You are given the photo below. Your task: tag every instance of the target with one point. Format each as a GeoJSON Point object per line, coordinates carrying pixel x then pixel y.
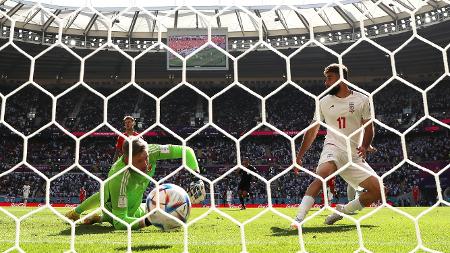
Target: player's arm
{"type": "Point", "coordinates": [166, 152]}
{"type": "Point", "coordinates": [118, 150]}
{"type": "Point", "coordinates": [369, 132]}
{"type": "Point", "coordinates": [117, 189]}
{"type": "Point", "coordinates": [307, 141]}
{"type": "Point", "coordinates": [309, 137]}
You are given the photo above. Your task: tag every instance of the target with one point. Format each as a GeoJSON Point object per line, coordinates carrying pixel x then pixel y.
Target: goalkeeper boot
{"type": "Point", "coordinates": [334, 217]}
{"type": "Point", "coordinates": [72, 215]}
{"type": "Point", "coordinates": [95, 218]}
{"type": "Point", "coordinates": [294, 225]}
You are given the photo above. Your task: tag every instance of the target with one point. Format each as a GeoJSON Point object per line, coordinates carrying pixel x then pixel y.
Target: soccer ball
{"type": "Point", "coordinates": [174, 200]}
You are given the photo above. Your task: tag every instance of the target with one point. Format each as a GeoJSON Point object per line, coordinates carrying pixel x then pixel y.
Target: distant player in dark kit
{"type": "Point", "coordinates": [246, 179]}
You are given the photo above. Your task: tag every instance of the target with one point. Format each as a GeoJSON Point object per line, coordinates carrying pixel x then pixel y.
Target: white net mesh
{"type": "Point", "coordinates": [159, 26]}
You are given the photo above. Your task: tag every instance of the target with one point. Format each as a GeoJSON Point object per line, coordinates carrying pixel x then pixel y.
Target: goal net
{"type": "Point", "coordinates": [283, 45]}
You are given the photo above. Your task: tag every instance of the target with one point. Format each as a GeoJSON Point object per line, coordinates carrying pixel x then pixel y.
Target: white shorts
{"type": "Point", "coordinates": [352, 174]}
{"type": "Point", "coordinates": [25, 196]}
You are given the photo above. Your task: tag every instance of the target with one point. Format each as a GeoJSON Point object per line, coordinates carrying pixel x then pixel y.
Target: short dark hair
{"type": "Point", "coordinates": [334, 68]}
{"type": "Point", "coordinates": [137, 147]}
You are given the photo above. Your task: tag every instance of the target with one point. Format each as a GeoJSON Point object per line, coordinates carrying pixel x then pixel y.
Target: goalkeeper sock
{"type": "Point", "coordinates": [307, 203]}
{"type": "Point", "coordinates": [352, 206]}
{"type": "Point", "coordinates": [90, 203]}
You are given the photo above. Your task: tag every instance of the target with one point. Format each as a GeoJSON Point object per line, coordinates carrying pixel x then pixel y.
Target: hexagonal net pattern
{"type": "Point", "coordinates": [264, 122]}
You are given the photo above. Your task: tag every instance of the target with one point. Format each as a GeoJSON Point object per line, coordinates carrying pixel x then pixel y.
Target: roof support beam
{"type": "Point", "coordinates": [90, 24]}
{"type": "Point", "coordinates": [175, 20]}
{"type": "Point", "coordinates": [265, 31]}
{"type": "Point", "coordinates": [323, 17]}
{"type": "Point", "coordinates": [386, 9]}
{"type": "Point", "coordinates": [70, 21]}
{"type": "Point", "coordinates": [115, 19]}
{"type": "Point", "coordinates": [2, 2]}
{"type": "Point", "coordinates": [348, 17]}
{"type": "Point", "coordinates": [407, 6]}
{"type": "Point", "coordinates": [11, 12]}
{"type": "Point", "coordinates": [282, 20]}
{"type": "Point", "coordinates": [196, 20]}
{"type": "Point", "coordinates": [303, 19]}
{"type": "Point", "coordinates": [133, 23]}
{"type": "Point", "coordinates": [433, 3]}
{"type": "Point", "coordinates": [368, 14]}
{"type": "Point", "coordinates": [238, 15]}
{"type": "Point", "coordinates": [154, 22]}
{"type": "Point", "coordinates": [219, 24]}
{"type": "Point", "coordinates": [31, 17]}
{"type": "Point", "coordinates": [50, 20]}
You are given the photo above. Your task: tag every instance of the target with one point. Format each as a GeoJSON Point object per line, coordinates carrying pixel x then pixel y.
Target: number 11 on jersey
{"type": "Point", "coordinates": [341, 122]}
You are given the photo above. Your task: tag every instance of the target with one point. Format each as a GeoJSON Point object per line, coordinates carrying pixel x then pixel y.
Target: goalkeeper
{"type": "Point", "coordinates": [123, 194]}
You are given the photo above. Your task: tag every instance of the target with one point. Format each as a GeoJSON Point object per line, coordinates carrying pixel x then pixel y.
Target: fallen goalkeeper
{"type": "Point", "coordinates": [124, 193]}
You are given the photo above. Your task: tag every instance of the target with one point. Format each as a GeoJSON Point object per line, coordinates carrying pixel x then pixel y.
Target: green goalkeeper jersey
{"type": "Point", "coordinates": [124, 193]}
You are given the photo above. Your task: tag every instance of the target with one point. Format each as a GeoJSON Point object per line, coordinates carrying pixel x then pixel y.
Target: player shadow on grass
{"type": "Point", "coordinates": [276, 231]}
{"type": "Point", "coordinates": [99, 229]}
{"type": "Point", "coordinates": [88, 229]}
{"type": "Point", "coordinates": [145, 247]}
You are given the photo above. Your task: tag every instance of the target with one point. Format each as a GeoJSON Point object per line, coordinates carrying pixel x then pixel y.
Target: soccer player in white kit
{"type": "Point", "coordinates": [345, 111]}
{"type": "Point", "coordinates": [26, 194]}
{"type": "Point", "coordinates": [229, 197]}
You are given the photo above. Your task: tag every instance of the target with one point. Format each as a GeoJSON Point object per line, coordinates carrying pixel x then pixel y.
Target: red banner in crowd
{"type": "Point", "coordinates": [31, 204]}
{"type": "Point", "coordinates": [258, 206]}
{"type": "Point", "coordinates": [432, 128]}
{"type": "Point", "coordinates": [446, 121]}
{"type": "Point", "coordinates": [9, 204]}
{"type": "Point", "coordinates": [290, 133]}
{"type": "Point", "coordinates": [113, 134]}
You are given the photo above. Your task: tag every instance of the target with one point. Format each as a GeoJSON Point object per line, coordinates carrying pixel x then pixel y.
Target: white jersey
{"type": "Point", "coordinates": [344, 115]}
{"type": "Point", "coordinates": [26, 191]}
{"type": "Point", "coordinates": [229, 196]}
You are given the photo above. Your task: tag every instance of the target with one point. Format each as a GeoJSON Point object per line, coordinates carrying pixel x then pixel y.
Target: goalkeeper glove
{"type": "Point", "coordinates": [197, 192]}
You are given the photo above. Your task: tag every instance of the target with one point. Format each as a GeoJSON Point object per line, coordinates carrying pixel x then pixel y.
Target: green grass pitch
{"type": "Point", "coordinates": [385, 231]}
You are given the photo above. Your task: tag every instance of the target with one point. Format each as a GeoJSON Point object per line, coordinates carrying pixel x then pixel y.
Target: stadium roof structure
{"type": "Point", "coordinates": [296, 17]}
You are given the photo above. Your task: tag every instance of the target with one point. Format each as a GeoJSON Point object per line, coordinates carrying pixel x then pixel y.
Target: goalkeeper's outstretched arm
{"type": "Point", "coordinates": [166, 152]}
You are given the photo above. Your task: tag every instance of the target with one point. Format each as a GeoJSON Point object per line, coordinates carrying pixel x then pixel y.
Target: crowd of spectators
{"type": "Point", "coordinates": [185, 45]}
{"type": "Point", "coordinates": [236, 111]}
